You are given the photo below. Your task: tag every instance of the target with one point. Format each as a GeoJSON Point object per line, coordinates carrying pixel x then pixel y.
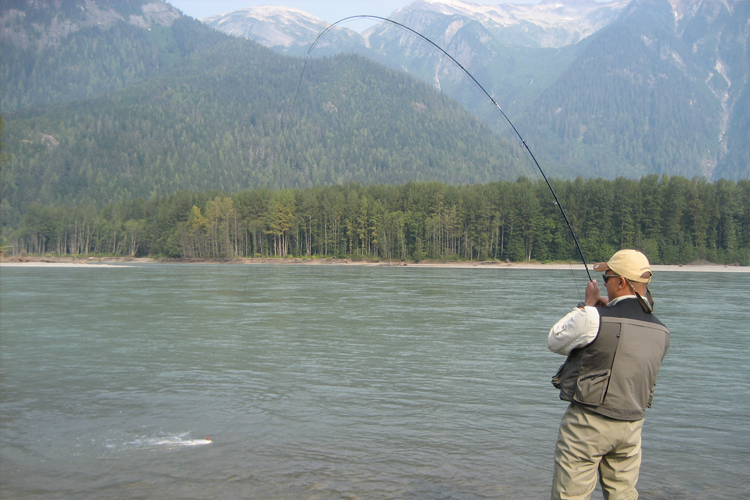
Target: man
{"type": "Point", "coordinates": [614, 346]}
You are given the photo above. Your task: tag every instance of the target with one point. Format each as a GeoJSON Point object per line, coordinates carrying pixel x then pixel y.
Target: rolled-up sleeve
{"type": "Point", "coordinates": [577, 329]}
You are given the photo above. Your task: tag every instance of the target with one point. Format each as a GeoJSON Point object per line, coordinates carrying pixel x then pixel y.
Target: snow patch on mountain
{"type": "Point", "coordinates": [270, 25]}
{"type": "Point", "coordinates": [270, 13]}
{"type": "Point", "coordinates": [556, 23]}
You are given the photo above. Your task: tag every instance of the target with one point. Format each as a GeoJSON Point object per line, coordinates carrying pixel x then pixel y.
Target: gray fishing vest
{"type": "Point", "coordinates": [615, 374]}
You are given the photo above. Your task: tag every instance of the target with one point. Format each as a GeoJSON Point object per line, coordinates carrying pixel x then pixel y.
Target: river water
{"type": "Point", "coordinates": [327, 382]}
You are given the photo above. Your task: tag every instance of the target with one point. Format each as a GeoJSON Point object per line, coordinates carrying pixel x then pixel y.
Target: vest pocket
{"type": "Point", "coordinates": [592, 387]}
{"type": "Point", "coordinates": [560, 375]}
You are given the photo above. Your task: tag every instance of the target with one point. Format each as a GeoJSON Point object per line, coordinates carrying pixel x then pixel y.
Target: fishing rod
{"type": "Point", "coordinates": [494, 103]}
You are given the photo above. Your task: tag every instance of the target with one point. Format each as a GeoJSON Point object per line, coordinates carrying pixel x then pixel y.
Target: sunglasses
{"type": "Point", "coordinates": [606, 276]}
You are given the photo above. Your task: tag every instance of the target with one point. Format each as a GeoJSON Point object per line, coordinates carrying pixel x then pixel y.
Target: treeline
{"type": "Point", "coordinates": [672, 219]}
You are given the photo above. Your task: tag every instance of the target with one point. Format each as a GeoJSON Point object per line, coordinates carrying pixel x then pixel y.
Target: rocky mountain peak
{"type": "Point", "coordinates": [51, 31]}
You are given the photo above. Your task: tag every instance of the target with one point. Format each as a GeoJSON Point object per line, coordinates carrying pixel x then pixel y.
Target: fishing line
{"type": "Point", "coordinates": [497, 107]}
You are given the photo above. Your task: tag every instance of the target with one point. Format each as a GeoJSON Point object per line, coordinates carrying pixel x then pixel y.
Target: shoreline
{"type": "Point", "coordinates": [110, 262]}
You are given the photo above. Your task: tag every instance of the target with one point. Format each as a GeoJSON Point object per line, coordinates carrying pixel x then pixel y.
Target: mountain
{"type": "Point", "coordinates": [548, 24]}
{"type": "Point", "coordinates": [81, 49]}
{"type": "Point", "coordinates": [223, 113]}
{"type": "Point", "coordinates": [112, 100]}
{"type": "Point", "coordinates": [498, 43]}
{"type": "Point", "coordinates": [716, 34]}
{"type": "Point", "coordinates": [620, 88]}
{"type": "Point", "coordinates": [286, 30]}
{"type": "Point", "coordinates": [658, 93]}
{"type": "Point", "coordinates": [633, 101]}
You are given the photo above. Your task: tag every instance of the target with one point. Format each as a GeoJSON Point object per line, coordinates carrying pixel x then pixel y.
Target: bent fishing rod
{"type": "Point", "coordinates": [491, 99]}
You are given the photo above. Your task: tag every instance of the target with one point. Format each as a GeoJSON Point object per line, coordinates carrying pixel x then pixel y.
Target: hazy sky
{"type": "Point", "coordinates": [327, 10]}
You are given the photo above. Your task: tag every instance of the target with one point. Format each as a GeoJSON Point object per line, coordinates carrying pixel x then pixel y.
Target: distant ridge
{"type": "Point", "coordinates": [557, 66]}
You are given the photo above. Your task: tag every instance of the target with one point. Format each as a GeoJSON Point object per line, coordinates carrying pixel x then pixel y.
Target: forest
{"type": "Point", "coordinates": [226, 121]}
{"type": "Point", "coordinates": [672, 219]}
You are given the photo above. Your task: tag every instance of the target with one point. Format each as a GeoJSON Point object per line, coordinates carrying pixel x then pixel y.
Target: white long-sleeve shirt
{"type": "Point", "coordinates": [576, 329]}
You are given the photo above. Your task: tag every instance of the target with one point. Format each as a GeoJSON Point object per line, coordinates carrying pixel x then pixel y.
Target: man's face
{"type": "Point", "coordinates": [611, 283]}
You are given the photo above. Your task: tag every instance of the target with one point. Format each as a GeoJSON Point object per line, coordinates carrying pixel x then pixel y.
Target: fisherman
{"type": "Point", "coordinates": [614, 346]}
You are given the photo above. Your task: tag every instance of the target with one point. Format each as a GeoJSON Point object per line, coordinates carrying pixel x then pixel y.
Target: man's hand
{"type": "Point", "coordinates": [593, 297]}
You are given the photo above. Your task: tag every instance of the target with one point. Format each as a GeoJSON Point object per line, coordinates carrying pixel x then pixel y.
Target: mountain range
{"type": "Point", "coordinates": [111, 100]}
{"type": "Point", "coordinates": [618, 88]}
{"type": "Point", "coordinates": [105, 103]}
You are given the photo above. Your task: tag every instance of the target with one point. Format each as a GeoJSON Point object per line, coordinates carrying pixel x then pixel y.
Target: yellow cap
{"type": "Point", "coordinates": [630, 264]}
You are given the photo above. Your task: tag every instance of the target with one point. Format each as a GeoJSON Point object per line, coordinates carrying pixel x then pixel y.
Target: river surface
{"type": "Point", "coordinates": [328, 382]}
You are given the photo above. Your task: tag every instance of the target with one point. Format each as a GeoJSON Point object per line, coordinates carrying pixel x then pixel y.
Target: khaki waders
{"type": "Point", "coordinates": [591, 445]}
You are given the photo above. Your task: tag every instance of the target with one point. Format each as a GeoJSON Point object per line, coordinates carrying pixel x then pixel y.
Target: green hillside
{"type": "Point", "coordinates": [620, 108]}
{"type": "Point", "coordinates": [72, 50]}
{"type": "Point", "coordinates": [220, 119]}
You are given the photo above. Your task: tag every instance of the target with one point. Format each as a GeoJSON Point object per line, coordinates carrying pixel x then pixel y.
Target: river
{"type": "Point", "coordinates": [327, 382]}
